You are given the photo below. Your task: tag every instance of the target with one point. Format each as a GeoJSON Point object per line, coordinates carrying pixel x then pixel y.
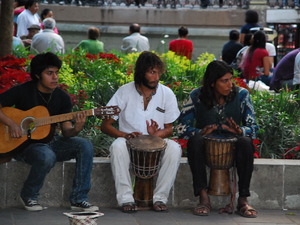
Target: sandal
{"type": "Point", "coordinates": [246, 210]}
{"type": "Point", "coordinates": [159, 206]}
{"type": "Point", "coordinates": [129, 207]}
{"type": "Point", "coordinates": [202, 210]}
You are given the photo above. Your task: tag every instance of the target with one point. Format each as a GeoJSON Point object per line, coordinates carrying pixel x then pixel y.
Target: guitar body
{"type": "Point", "coordinates": [36, 124]}
{"type": "Point", "coordinates": [26, 120]}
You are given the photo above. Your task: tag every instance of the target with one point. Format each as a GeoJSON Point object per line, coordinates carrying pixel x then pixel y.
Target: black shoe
{"type": "Point", "coordinates": [31, 204]}
{"type": "Point", "coordinates": [84, 206]}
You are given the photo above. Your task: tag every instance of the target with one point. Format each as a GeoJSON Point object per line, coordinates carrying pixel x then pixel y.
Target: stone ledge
{"type": "Point", "coordinates": [274, 185]}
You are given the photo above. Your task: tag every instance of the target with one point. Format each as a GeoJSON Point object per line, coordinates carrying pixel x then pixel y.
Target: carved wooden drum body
{"type": "Point", "coordinates": [219, 150]}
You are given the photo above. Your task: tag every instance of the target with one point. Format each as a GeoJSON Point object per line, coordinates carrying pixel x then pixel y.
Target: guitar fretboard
{"type": "Point", "coordinates": [60, 118]}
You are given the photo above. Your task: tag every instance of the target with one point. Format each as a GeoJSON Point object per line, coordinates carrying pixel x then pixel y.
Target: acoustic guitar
{"type": "Point", "coordinates": [36, 125]}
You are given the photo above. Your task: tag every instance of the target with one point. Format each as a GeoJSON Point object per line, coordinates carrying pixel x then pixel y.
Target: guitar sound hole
{"type": "Point", "coordinates": [27, 124]}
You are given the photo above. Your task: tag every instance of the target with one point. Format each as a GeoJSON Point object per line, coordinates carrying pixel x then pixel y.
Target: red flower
{"type": "Point", "coordinates": [255, 143]}
{"type": "Point", "coordinates": [241, 83]}
{"type": "Point", "coordinates": [183, 144]}
{"type": "Point", "coordinates": [256, 154]}
{"type": "Point", "coordinates": [12, 72]}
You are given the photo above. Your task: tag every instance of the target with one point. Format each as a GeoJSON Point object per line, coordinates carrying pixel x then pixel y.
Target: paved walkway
{"type": "Point", "coordinates": [175, 216]}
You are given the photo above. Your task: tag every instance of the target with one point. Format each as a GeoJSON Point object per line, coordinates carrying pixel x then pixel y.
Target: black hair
{"type": "Point", "coordinates": [251, 16]}
{"type": "Point", "coordinates": [183, 31]}
{"type": "Point", "coordinates": [41, 62]}
{"type": "Point", "coordinates": [146, 60]}
{"type": "Point", "coordinates": [234, 35]}
{"type": "Point", "coordinates": [30, 3]}
{"type": "Point", "coordinates": [45, 13]}
{"type": "Point", "coordinates": [259, 41]}
{"type": "Point", "coordinates": [20, 2]}
{"type": "Point", "coordinates": [214, 71]}
{"type": "Point", "coordinates": [247, 39]}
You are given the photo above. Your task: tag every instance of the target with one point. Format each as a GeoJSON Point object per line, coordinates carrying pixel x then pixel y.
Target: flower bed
{"type": "Point", "coordinates": [91, 80]}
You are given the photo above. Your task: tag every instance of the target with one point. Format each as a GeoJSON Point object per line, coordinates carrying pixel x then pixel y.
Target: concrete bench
{"type": "Point", "coordinates": [275, 185]}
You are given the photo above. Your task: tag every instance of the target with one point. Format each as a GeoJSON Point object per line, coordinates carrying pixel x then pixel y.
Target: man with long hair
{"type": "Point", "coordinates": [219, 108]}
{"type": "Point", "coordinates": [147, 108]}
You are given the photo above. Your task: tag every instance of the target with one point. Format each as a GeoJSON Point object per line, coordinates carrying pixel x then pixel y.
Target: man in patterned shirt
{"type": "Point", "coordinates": [219, 108]}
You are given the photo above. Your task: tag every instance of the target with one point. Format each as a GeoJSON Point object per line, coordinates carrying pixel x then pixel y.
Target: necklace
{"type": "Point", "coordinates": [48, 96]}
{"type": "Point", "coordinates": [147, 98]}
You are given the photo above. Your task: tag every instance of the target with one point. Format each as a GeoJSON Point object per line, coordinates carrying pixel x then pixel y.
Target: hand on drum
{"type": "Point", "coordinates": [132, 135]}
{"type": "Point", "coordinates": [232, 126]}
{"type": "Point", "coordinates": [152, 127]}
{"type": "Point", "coordinates": [208, 129]}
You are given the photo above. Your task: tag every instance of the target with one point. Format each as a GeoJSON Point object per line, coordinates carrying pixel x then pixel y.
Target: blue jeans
{"type": "Point", "coordinates": [42, 158]}
{"type": "Point", "coordinates": [265, 79]}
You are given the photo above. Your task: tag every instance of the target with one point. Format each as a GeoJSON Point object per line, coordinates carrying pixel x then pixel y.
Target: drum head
{"type": "Point", "coordinates": [221, 137]}
{"type": "Point", "coordinates": [147, 142]}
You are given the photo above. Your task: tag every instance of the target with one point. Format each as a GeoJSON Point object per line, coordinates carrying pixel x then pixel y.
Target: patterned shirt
{"type": "Point", "coordinates": [186, 123]}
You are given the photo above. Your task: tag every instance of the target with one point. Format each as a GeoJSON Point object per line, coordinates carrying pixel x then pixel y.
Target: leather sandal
{"type": "Point", "coordinates": [159, 206]}
{"type": "Point", "coordinates": [246, 210]}
{"type": "Point", "coordinates": [129, 207]}
{"type": "Point", "coordinates": [202, 210]}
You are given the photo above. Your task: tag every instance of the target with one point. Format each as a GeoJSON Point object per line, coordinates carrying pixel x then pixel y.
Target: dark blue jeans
{"type": "Point", "coordinates": [42, 158]}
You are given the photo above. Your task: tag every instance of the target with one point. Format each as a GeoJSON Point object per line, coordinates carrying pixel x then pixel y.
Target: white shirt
{"type": "Point", "coordinates": [47, 40]}
{"type": "Point", "coordinates": [296, 79]}
{"type": "Point", "coordinates": [271, 49]}
{"type": "Point", "coordinates": [135, 43]}
{"type": "Point", "coordinates": [162, 108]}
{"type": "Point", "coordinates": [25, 20]}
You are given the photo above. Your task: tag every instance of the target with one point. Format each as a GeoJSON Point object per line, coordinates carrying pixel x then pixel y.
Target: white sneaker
{"type": "Point", "coordinates": [31, 204]}
{"type": "Point", "coordinates": [84, 206]}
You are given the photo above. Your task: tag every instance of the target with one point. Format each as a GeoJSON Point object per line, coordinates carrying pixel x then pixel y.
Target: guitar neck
{"type": "Point", "coordinates": [60, 118]}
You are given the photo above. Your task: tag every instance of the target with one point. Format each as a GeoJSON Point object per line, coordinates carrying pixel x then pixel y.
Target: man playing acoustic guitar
{"type": "Point", "coordinates": [43, 90]}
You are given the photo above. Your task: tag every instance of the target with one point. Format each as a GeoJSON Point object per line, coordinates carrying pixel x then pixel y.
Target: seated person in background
{"type": "Point", "coordinates": [43, 90]}
{"type": "Point", "coordinates": [27, 39]}
{"type": "Point", "coordinates": [19, 6]}
{"type": "Point", "coordinates": [182, 46]}
{"type": "Point", "coordinates": [147, 107]}
{"type": "Point", "coordinates": [240, 56]}
{"type": "Point", "coordinates": [271, 49]}
{"type": "Point", "coordinates": [47, 40]}
{"type": "Point", "coordinates": [47, 13]}
{"type": "Point", "coordinates": [219, 107]}
{"type": "Point", "coordinates": [92, 45]}
{"type": "Point", "coordinates": [231, 48]}
{"type": "Point", "coordinates": [28, 17]}
{"type": "Point", "coordinates": [135, 42]}
{"type": "Point", "coordinates": [17, 42]}
{"type": "Point", "coordinates": [251, 20]}
{"type": "Point", "coordinates": [286, 70]}
{"type": "Point", "coordinates": [256, 65]}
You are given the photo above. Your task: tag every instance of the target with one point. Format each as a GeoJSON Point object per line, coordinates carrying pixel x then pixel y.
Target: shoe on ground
{"type": "Point", "coordinates": [31, 205]}
{"type": "Point", "coordinates": [84, 206]}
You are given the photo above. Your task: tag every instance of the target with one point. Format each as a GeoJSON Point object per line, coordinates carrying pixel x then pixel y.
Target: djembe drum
{"type": "Point", "coordinates": [219, 150]}
{"type": "Point", "coordinates": [145, 158]}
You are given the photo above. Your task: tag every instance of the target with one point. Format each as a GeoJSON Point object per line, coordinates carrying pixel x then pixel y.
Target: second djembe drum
{"type": "Point", "coordinates": [219, 150]}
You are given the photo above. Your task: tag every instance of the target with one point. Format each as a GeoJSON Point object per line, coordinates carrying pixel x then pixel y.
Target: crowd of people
{"type": "Point", "coordinates": [147, 107]}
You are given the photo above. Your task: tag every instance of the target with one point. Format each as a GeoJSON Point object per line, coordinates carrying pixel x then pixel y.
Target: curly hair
{"type": "Point", "coordinates": [214, 71]}
{"type": "Point", "coordinates": [41, 62]}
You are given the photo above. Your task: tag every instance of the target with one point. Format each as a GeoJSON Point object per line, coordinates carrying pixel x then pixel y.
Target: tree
{"type": "Point", "coordinates": [6, 27]}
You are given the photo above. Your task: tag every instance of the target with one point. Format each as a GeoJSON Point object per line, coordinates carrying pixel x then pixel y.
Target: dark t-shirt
{"type": "Point", "coordinates": [229, 51]}
{"type": "Point", "coordinates": [26, 96]}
